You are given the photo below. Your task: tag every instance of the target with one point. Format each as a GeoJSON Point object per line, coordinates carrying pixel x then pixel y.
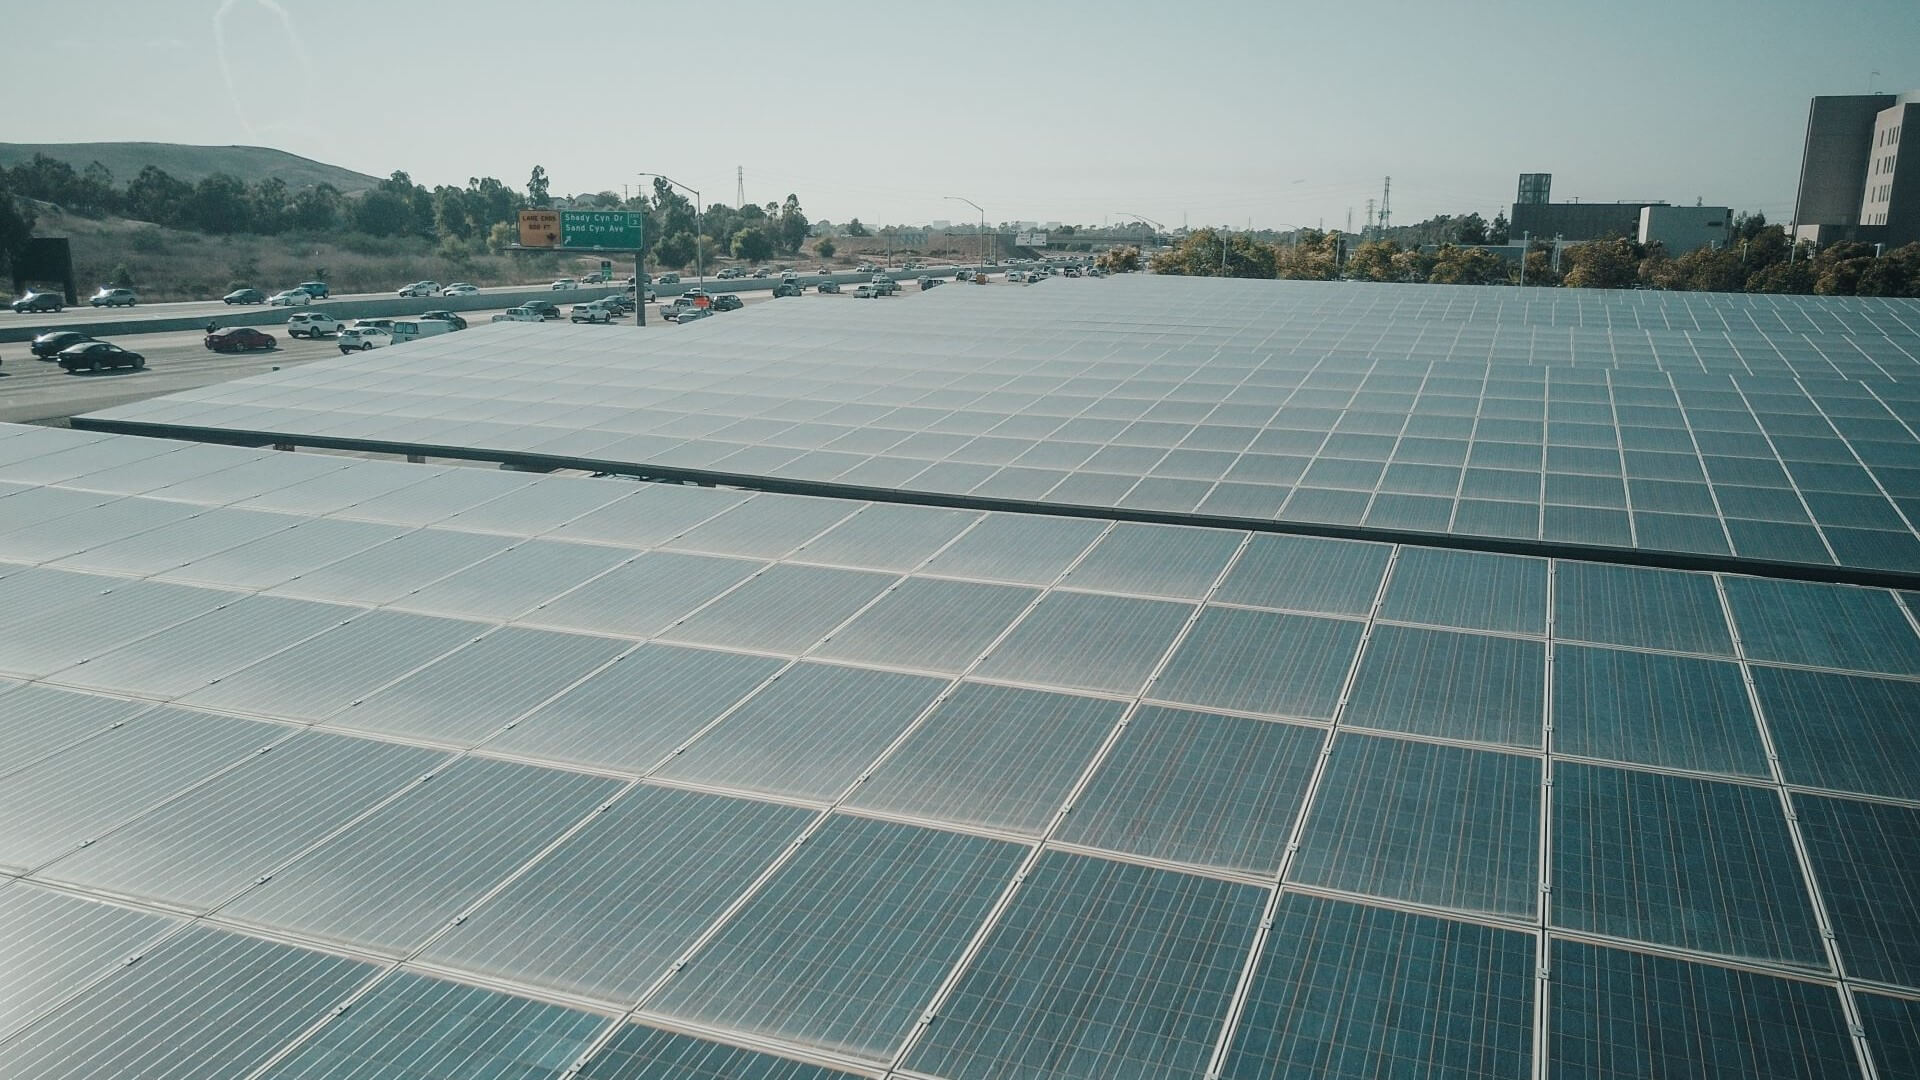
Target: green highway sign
{"type": "Point", "coordinates": [616, 229]}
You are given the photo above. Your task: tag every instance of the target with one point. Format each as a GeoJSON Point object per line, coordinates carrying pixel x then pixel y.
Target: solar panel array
{"type": "Point", "coordinates": [1772, 429]}
{"type": "Point", "coordinates": [324, 767]}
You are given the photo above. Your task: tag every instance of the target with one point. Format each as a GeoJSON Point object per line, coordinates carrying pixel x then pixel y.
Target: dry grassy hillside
{"type": "Point", "coordinates": [169, 264]}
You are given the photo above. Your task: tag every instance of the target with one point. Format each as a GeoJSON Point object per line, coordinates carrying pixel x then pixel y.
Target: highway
{"type": "Point", "coordinates": [198, 309]}
{"type": "Point", "coordinates": [39, 391]}
{"type": "Point", "coordinates": [224, 313]}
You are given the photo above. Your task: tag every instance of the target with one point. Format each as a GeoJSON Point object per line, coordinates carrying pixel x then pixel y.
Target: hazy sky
{"type": "Point", "coordinates": [1209, 111]}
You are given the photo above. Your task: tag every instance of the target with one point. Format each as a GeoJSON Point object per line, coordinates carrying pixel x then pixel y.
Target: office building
{"type": "Point", "coordinates": [1851, 185]}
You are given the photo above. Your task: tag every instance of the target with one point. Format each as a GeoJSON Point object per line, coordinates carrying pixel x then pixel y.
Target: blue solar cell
{"type": "Point", "coordinates": [1458, 686]}
{"type": "Point", "coordinates": [1676, 712]}
{"type": "Point", "coordinates": [1678, 861]}
{"type": "Point", "coordinates": [1616, 1015]}
{"type": "Point", "coordinates": [1437, 825]}
{"type": "Point", "coordinates": [1842, 732]}
{"type": "Point", "coordinates": [1863, 858]}
{"type": "Point", "coordinates": [1344, 991]}
{"type": "Point", "coordinates": [1097, 968]}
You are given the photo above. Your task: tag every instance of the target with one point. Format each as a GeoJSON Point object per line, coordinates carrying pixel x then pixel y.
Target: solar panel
{"type": "Point", "coordinates": [1349, 991]}
{"type": "Point", "coordinates": [766, 784]}
{"type": "Point", "coordinates": [1692, 429]}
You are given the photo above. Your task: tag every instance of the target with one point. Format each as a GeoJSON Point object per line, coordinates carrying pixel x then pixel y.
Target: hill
{"type": "Point", "coordinates": [192, 163]}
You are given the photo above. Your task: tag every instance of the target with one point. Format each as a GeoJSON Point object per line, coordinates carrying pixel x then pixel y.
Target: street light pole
{"type": "Point", "coordinates": [699, 253]}
{"type": "Point", "coordinates": [983, 226]}
{"type": "Point", "coordinates": [1144, 221]}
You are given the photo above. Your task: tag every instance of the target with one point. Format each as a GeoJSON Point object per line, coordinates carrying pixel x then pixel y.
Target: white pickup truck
{"type": "Point", "coordinates": [517, 314]}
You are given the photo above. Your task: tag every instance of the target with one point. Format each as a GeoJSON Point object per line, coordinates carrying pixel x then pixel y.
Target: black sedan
{"type": "Point", "coordinates": [244, 296]}
{"type": "Point", "coordinates": [49, 345]}
{"type": "Point", "coordinates": [40, 301]}
{"type": "Point", "coordinates": [447, 317]}
{"type": "Point", "coordinates": [99, 356]}
{"type": "Point", "coordinates": [240, 339]}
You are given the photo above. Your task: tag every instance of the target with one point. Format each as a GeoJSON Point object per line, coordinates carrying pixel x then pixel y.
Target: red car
{"type": "Point", "coordinates": [240, 339]}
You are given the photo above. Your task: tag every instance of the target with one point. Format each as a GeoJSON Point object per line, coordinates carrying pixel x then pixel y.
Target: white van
{"type": "Point", "coordinates": [405, 330]}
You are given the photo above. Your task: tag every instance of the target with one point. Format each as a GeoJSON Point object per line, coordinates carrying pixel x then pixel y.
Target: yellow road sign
{"type": "Point", "coordinates": [539, 228]}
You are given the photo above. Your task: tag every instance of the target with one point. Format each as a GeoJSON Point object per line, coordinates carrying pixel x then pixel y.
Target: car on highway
{"type": "Point", "coordinates": [865, 292]}
{"type": "Point", "coordinates": [362, 338]}
{"type": "Point", "coordinates": [405, 330]}
{"type": "Point", "coordinates": [563, 284]}
{"type": "Point", "coordinates": [685, 302]}
{"type": "Point", "coordinates": [311, 324]}
{"type": "Point", "coordinates": [619, 303]}
{"type": "Point", "coordinates": [290, 298]}
{"type": "Point", "coordinates": [884, 285]}
{"type": "Point", "coordinates": [378, 324]}
{"type": "Point", "coordinates": [728, 302]}
{"type": "Point", "coordinates": [963, 274]}
{"type": "Point", "coordinates": [927, 281]}
{"type": "Point", "coordinates": [829, 286]}
{"type": "Point", "coordinates": [421, 288]}
{"type": "Point", "coordinates": [668, 279]}
{"type": "Point", "coordinates": [788, 288]}
{"type": "Point", "coordinates": [460, 288]}
{"type": "Point", "coordinates": [447, 317]}
{"type": "Point", "coordinates": [99, 356]}
{"type": "Point", "coordinates": [594, 312]}
{"type": "Point", "coordinates": [40, 301]}
{"type": "Point", "coordinates": [865, 268]}
{"type": "Point", "coordinates": [518, 314]}
{"type": "Point", "coordinates": [729, 273]}
{"type": "Point", "coordinates": [316, 289]}
{"type": "Point", "coordinates": [106, 297]}
{"type": "Point", "coordinates": [1016, 276]}
{"type": "Point", "coordinates": [690, 314]}
{"type": "Point", "coordinates": [1071, 271]}
{"type": "Point", "coordinates": [761, 271]}
{"type": "Point", "coordinates": [545, 309]}
{"type": "Point", "coordinates": [244, 296]}
{"type": "Point", "coordinates": [240, 339]}
{"type": "Point", "coordinates": [48, 345]}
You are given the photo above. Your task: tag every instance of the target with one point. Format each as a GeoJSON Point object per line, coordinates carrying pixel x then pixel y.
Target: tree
{"type": "Point", "coordinates": [382, 213]}
{"type": "Point", "coordinates": [675, 251]}
{"type": "Point", "coordinates": [157, 196]}
{"type": "Point", "coordinates": [1372, 261]}
{"type": "Point", "coordinates": [1311, 256]}
{"type": "Point", "coordinates": [793, 225]}
{"type": "Point", "coordinates": [1119, 260]}
{"type": "Point", "coordinates": [1470, 229]}
{"type": "Point", "coordinates": [1782, 277]}
{"type": "Point", "coordinates": [824, 247]}
{"type": "Point", "coordinates": [1454, 265]}
{"type": "Point", "coordinates": [1708, 270]}
{"type": "Point", "coordinates": [219, 205]}
{"type": "Point", "coordinates": [854, 228]}
{"type": "Point", "coordinates": [1497, 232]}
{"type": "Point", "coordinates": [1600, 264]}
{"type": "Point", "coordinates": [16, 227]}
{"type": "Point", "coordinates": [537, 195]}
{"type": "Point", "coordinates": [1540, 272]}
{"type": "Point", "coordinates": [452, 219]}
{"type": "Point", "coordinates": [316, 208]}
{"type": "Point", "coordinates": [268, 205]}
{"type": "Point", "coordinates": [752, 245]}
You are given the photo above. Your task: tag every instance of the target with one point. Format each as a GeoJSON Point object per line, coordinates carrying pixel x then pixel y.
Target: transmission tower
{"type": "Point", "coordinates": [1369, 230]}
{"type": "Point", "coordinates": [1386, 205]}
{"type": "Point", "coordinates": [739, 185]}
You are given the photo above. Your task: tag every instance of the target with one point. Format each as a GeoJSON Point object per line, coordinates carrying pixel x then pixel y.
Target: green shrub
{"type": "Point", "coordinates": [148, 241]}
